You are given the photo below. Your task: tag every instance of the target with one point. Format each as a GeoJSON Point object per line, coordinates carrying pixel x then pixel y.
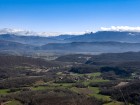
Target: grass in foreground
{"type": "Point", "coordinates": [4, 91]}
{"type": "Point", "coordinates": [13, 102]}
{"type": "Point", "coordinates": [115, 103]}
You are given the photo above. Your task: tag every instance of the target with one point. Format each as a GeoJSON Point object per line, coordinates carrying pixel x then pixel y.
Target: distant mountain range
{"type": "Point", "coordinates": [102, 36]}
{"type": "Point", "coordinates": [99, 42]}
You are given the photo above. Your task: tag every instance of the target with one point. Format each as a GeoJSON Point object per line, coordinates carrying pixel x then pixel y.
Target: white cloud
{"type": "Point", "coordinates": [59, 33]}
{"type": "Point", "coordinates": [28, 33]}
{"type": "Point", "coordinates": [121, 28]}
{"type": "Point", "coordinates": [15, 31]}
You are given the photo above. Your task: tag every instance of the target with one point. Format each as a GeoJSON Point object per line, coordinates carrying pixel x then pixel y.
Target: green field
{"type": "Point", "coordinates": [39, 88]}
{"type": "Point", "coordinates": [92, 92]}
{"type": "Point", "coordinates": [88, 74]}
{"type": "Point", "coordinates": [115, 103]}
{"type": "Point", "coordinates": [94, 74]}
{"type": "Point", "coordinates": [97, 95]}
{"type": "Point", "coordinates": [13, 102]}
{"type": "Point", "coordinates": [94, 81]}
{"type": "Point", "coordinates": [4, 91]}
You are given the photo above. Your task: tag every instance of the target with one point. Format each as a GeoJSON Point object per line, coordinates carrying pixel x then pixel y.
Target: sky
{"type": "Point", "coordinates": [68, 15]}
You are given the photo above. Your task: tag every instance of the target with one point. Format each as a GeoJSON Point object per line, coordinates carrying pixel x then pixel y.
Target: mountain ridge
{"type": "Point", "coordinates": [117, 36]}
{"type": "Point", "coordinates": [100, 42]}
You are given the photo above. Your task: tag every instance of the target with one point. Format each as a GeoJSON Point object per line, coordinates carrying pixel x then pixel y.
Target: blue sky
{"type": "Point", "coordinates": [68, 15]}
